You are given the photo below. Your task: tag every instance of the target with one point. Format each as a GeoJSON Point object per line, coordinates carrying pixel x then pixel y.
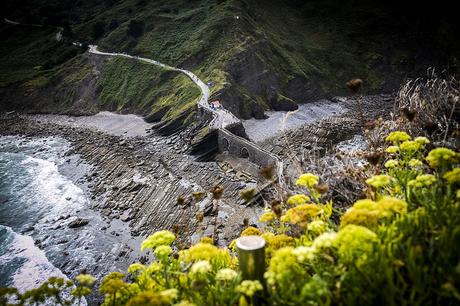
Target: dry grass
{"type": "Point", "coordinates": [430, 105]}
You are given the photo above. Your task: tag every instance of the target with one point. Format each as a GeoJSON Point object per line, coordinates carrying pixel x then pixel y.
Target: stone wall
{"type": "Point", "coordinates": [241, 147]}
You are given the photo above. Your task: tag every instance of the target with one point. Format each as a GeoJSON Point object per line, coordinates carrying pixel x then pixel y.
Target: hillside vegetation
{"type": "Point", "coordinates": [259, 54]}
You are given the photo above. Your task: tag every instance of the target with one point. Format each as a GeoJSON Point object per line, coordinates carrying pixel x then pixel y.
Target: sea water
{"type": "Point", "coordinates": [32, 191]}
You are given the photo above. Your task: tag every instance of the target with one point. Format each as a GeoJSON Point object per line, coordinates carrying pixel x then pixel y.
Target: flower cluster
{"type": "Point", "coordinates": [453, 177]}
{"type": "Point", "coordinates": [397, 137]}
{"type": "Point", "coordinates": [423, 180]}
{"type": "Point", "coordinates": [249, 287]}
{"type": "Point", "coordinates": [355, 243]}
{"type": "Point", "coordinates": [267, 217]}
{"type": "Point", "coordinates": [379, 181]}
{"type": "Point", "coordinates": [298, 199]}
{"type": "Point", "coordinates": [301, 214]}
{"type": "Point", "coordinates": [226, 274]}
{"type": "Point", "coordinates": [201, 267]}
{"type": "Point", "coordinates": [369, 213]}
{"type": "Point", "coordinates": [307, 180]}
{"type": "Point", "coordinates": [415, 163]}
{"type": "Point", "coordinates": [391, 163]}
{"type": "Point", "coordinates": [157, 239]}
{"type": "Point", "coordinates": [439, 156]}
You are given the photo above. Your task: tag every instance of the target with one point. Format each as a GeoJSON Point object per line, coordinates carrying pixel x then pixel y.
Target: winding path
{"type": "Point", "coordinates": [222, 117]}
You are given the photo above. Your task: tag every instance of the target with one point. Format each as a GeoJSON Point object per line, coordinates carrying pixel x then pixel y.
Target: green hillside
{"type": "Point", "coordinates": [259, 54]}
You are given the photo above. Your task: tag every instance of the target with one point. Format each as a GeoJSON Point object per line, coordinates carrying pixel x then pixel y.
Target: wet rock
{"type": "Point", "coordinates": [208, 209]}
{"type": "Point", "coordinates": [62, 241]}
{"type": "Point", "coordinates": [125, 217]}
{"type": "Point", "coordinates": [79, 222]}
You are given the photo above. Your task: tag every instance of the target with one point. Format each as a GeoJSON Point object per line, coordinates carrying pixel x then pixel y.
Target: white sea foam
{"type": "Point", "coordinates": [36, 268]}
{"type": "Point", "coordinates": [51, 188]}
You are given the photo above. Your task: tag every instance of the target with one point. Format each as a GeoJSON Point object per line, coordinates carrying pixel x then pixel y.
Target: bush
{"type": "Point", "coordinates": [401, 246]}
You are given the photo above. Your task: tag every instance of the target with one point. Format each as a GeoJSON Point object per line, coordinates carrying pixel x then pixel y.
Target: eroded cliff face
{"type": "Point", "coordinates": [73, 90]}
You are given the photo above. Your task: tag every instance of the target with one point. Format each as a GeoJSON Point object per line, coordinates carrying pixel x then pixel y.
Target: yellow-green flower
{"type": "Point", "coordinates": [250, 231]}
{"type": "Point", "coordinates": [267, 217]}
{"type": "Point", "coordinates": [307, 180]}
{"type": "Point", "coordinates": [422, 140]}
{"type": "Point", "coordinates": [304, 254]}
{"type": "Point", "coordinates": [301, 214]}
{"type": "Point", "coordinates": [249, 287]}
{"type": "Point", "coordinates": [365, 204]}
{"type": "Point", "coordinates": [355, 243]}
{"type": "Point", "coordinates": [284, 267]}
{"type": "Point", "coordinates": [389, 205]}
{"type": "Point", "coordinates": [298, 199]}
{"type": "Point", "coordinates": [453, 176]}
{"type": "Point", "coordinates": [415, 163]}
{"type": "Point", "coordinates": [218, 257]}
{"type": "Point", "coordinates": [410, 146]}
{"type": "Point", "coordinates": [364, 217]}
{"type": "Point", "coordinates": [392, 149]}
{"type": "Point", "coordinates": [201, 267]}
{"type": "Point", "coordinates": [317, 226]}
{"type": "Point", "coordinates": [424, 180]}
{"type": "Point", "coordinates": [136, 267]}
{"type": "Point", "coordinates": [170, 294]}
{"type": "Point", "coordinates": [163, 251]}
{"type": "Point", "coordinates": [397, 137]}
{"type": "Point", "coordinates": [85, 280]}
{"type": "Point", "coordinates": [157, 239]}
{"type": "Point", "coordinates": [113, 283]}
{"type": "Point", "coordinates": [275, 242]}
{"type": "Point", "coordinates": [438, 156]}
{"type": "Point", "coordinates": [226, 274]}
{"type": "Point", "coordinates": [324, 241]}
{"type": "Point", "coordinates": [379, 181]}
{"type": "Point", "coordinates": [392, 163]}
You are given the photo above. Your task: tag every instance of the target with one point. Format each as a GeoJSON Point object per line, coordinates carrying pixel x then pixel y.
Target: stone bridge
{"type": "Point", "coordinates": [241, 147]}
{"type": "Point", "coordinates": [237, 145]}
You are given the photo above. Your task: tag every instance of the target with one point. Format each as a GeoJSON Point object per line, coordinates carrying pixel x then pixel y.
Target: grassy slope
{"type": "Point", "coordinates": [131, 86]}
{"type": "Point", "coordinates": [252, 50]}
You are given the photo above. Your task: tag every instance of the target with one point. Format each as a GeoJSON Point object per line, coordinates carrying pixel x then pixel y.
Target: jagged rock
{"type": "Point", "coordinates": [79, 222]}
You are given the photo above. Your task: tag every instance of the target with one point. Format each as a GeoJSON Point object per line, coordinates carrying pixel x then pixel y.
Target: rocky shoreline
{"type": "Point", "coordinates": [139, 179]}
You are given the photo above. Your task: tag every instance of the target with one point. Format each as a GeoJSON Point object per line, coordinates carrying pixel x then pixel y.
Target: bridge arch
{"type": "Point", "coordinates": [225, 144]}
{"type": "Point", "coordinates": [244, 152]}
